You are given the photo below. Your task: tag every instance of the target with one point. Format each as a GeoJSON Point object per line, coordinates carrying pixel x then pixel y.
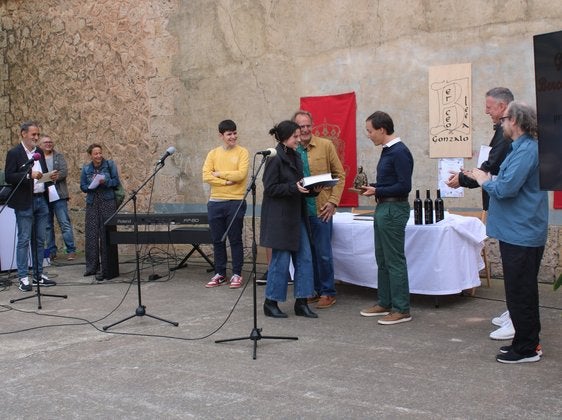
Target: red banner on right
{"type": "Point", "coordinates": [558, 199]}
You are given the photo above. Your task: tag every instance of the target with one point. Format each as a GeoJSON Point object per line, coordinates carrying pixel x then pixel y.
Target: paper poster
{"type": "Point", "coordinates": [450, 126]}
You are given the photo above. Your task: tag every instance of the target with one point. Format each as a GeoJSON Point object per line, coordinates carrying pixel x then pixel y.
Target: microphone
{"type": "Point", "coordinates": [268, 152]}
{"type": "Point", "coordinates": [34, 157]}
{"type": "Point", "coordinates": [169, 151]}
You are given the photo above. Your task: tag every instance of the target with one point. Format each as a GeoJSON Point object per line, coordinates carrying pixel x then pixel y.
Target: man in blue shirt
{"type": "Point", "coordinates": [394, 182]}
{"type": "Point", "coordinates": [518, 218]}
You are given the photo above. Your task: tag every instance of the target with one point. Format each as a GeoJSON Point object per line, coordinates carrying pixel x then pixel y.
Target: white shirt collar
{"type": "Point", "coordinates": [393, 142]}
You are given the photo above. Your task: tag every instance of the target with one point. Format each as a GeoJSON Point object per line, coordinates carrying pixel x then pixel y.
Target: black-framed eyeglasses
{"type": "Point", "coordinates": [502, 119]}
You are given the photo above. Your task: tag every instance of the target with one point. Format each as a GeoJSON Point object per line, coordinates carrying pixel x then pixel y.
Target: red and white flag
{"type": "Point", "coordinates": [334, 118]}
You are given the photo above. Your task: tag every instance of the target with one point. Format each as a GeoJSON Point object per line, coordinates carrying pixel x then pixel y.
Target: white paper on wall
{"type": "Point", "coordinates": [447, 167]}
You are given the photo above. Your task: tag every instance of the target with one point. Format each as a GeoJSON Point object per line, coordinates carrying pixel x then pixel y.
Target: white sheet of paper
{"type": "Point", "coordinates": [483, 156]}
{"type": "Point", "coordinates": [53, 194]}
{"type": "Point", "coordinates": [45, 178]}
{"type": "Point", "coordinates": [96, 181]}
{"type": "Point", "coordinates": [446, 166]}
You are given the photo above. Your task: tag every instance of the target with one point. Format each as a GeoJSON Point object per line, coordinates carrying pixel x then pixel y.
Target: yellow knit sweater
{"type": "Point", "coordinates": [231, 165]}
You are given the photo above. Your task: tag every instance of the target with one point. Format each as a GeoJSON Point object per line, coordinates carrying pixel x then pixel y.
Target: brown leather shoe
{"type": "Point", "coordinates": [71, 256]}
{"type": "Point", "coordinates": [395, 318]}
{"type": "Point", "coordinates": [313, 299]}
{"type": "Point", "coordinates": [325, 302]}
{"type": "Point", "coordinates": [375, 310]}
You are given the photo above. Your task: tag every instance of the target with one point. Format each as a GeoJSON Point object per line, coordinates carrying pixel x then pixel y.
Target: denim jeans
{"type": "Point", "coordinates": [37, 215]}
{"type": "Point", "coordinates": [59, 209]}
{"type": "Point", "coordinates": [220, 215]}
{"type": "Point", "coordinates": [278, 271]}
{"type": "Point", "coordinates": [324, 283]}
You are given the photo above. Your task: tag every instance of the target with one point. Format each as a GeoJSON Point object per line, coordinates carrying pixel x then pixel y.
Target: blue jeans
{"type": "Point", "coordinates": [220, 215]}
{"type": "Point", "coordinates": [278, 271]}
{"type": "Point", "coordinates": [25, 221]}
{"type": "Point", "coordinates": [59, 209]}
{"type": "Point", "coordinates": [324, 283]}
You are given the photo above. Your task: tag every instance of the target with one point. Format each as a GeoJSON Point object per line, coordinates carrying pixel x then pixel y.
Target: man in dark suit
{"type": "Point", "coordinates": [30, 203]}
{"type": "Point", "coordinates": [497, 101]}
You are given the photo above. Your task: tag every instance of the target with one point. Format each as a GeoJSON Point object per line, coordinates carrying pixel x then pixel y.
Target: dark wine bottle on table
{"type": "Point", "coordinates": [439, 208]}
{"type": "Point", "coordinates": [428, 209]}
{"type": "Point", "coordinates": [418, 209]}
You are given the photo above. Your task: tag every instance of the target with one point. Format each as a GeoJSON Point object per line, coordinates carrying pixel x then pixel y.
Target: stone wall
{"type": "Point", "coordinates": [141, 75]}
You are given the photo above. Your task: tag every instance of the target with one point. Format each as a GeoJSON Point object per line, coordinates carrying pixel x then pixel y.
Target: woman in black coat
{"type": "Point", "coordinates": [283, 226]}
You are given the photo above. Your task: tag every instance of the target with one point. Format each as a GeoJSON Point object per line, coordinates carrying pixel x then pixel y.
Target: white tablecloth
{"type": "Point", "coordinates": [443, 258]}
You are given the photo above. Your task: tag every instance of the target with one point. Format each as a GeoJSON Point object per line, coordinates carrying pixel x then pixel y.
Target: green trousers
{"type": "Point", "coordinates": [390, 232]}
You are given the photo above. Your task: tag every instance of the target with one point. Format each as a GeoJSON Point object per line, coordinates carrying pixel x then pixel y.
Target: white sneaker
{"type": "Point", "coordinates": [25, 285]}
{"type": "Point", "coordinates": [506, 332]}
{"type": "Point", "coordinates": [501, 320]}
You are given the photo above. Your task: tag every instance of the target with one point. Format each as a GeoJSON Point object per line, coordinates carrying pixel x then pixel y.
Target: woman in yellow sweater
{"type": "Point", "coordinates": [226, 171]}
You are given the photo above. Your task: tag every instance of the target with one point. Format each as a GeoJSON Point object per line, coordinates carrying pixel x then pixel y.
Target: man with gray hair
{"type": "Point", "coordinates": [25, 165]}
{"type": "Point", "coordinates": [319, 156]}
{"type": "Point", "coordinates": [58, 205]}
{"type": "Point", "coordinates": [497, 100]}
{"type": "Point", "coordinates": [518, 218]}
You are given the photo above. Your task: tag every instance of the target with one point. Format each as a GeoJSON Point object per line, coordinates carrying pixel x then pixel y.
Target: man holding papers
{"type": "Point", "coordinates": [58, 200]}
{"type": "Point", "coordinates": [29, 202]}
{"type": "Point", "coordinates": [319, 156]}
{"type": "Point", "coordinates": [497, 100]}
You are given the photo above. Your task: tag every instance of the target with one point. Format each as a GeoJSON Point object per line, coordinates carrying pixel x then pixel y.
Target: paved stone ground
{"type": "Point", "coordinates": [57, 362]}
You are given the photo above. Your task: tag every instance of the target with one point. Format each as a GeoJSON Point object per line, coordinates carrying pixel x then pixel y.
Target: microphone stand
{"type": "Point", "coordinates": [35, 257]}
{"type": "Point", "coordinates": [255, 334]}
{"type": "Point", "coordinates": [141, 309]}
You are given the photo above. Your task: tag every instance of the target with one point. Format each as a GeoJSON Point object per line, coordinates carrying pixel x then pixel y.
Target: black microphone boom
{"type": "Point", "coordinates": [268, 152]}
{"type": "Point", "coordinates": [169, 151]}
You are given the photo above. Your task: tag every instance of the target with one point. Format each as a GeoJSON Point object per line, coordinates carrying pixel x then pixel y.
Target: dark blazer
{"type": "Point", "coordinates": [15, 158]}
{"type": "Point", "coordinates": [500, 147]}
{"type": "Point", "coordinates": [284, 206]}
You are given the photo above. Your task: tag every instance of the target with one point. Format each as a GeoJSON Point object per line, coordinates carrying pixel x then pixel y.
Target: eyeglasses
{"type": "Point", "coordinates": [502, 119]}
{"type": "Point", "coordinates": [304, 127]}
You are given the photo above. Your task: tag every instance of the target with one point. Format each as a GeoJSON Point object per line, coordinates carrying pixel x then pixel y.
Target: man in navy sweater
{"type": "Point", "coordinates": [394, 182]}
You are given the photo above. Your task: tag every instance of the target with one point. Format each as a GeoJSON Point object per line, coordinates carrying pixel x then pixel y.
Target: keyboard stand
{"type": "Point", "coordinates": [183, 262]}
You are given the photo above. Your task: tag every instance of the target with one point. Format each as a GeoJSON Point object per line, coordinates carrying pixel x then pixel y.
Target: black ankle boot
{"type": "Point", "coordinates": [302, 309]}
{"type": "Point", "coordinates": [271, 309]}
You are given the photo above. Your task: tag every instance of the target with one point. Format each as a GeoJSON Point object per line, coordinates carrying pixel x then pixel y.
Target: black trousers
{"type": "Point", "coordinates": [520, 270]}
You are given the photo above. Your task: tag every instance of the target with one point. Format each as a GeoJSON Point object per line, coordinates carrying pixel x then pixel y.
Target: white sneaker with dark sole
{"type": "Point", "coordinates": [25, 286]}
{"type": "Point", "coordinates": [511, 358]}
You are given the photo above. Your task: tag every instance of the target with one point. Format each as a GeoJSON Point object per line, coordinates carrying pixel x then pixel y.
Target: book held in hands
{"type": "Point", "coordinates": [322, 180]}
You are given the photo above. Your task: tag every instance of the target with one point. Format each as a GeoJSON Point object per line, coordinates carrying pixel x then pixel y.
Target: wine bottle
{"type": "Point", "coordinates": [439, 208]}
{"type": "Point", "coordinates": [418, 212]}
{"type": "Point", "coordinates": [428, 209]}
